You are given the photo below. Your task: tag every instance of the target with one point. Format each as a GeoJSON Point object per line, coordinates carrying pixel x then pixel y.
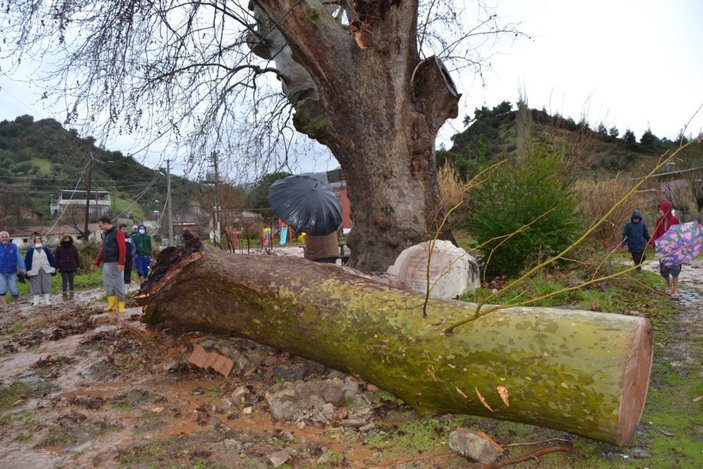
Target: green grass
{"type": "Point", "coordinates": [58, 435]}
{"type": "Point", "coordinates": [11, 394]}
{"type": "Point", "coordinates": [44, 165]}
{"type": "Point", "coordinates": [620, 295]}
{"type": "Point", "coordinates": [85, 279]}
{"type": "Point", "coordinates": [129, 207]}
{"type": "Point", "coordinates": [22, 422]}
{"type": "Point", "coordinates": [416, 435]}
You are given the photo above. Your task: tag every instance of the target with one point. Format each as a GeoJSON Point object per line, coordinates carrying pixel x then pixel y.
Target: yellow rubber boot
{"type": "Point", "coordinates": [111, 303]}
{"type": "Point", "coordinates": [120, 306]}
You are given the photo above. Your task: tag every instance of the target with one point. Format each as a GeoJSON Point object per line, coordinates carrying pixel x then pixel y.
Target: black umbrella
{"type": "Point", "coordinates": [307, 204]}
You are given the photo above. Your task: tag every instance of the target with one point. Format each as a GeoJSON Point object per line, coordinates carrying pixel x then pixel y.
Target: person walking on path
{"type": "Point", "coordinates": [670, 273]}
{"type": "Point", "coordinates": [68, 261]}
{"type": "Point", "coordinates": [41, 265]}
{"type": "Point", "coordinates": [143, 259]}
{"type": "Point", "coordinates": [636, 237]}
{"type": "Point", "coordinates": [130, 255]}
{"type": "Point", "coordinates": [112, 255]}
{"type": "Point", "coordinates": [10, 262]}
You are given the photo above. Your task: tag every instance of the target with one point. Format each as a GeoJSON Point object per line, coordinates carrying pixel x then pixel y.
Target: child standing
{"type": "Point", "coordinates": [636, 236]}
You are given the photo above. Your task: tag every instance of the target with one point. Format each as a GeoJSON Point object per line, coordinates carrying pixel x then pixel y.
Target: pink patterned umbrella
{"type": "Point", "coordinates": [680, 244]}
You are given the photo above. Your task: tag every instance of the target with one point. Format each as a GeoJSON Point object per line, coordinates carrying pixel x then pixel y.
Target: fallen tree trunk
{"type": "Point", "coordinates": [583, 372]}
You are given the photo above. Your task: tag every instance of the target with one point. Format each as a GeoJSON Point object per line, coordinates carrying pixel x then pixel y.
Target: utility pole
{"type": "Point", "coordinates": [217, 198]}
{"type": "Point", "coordinates": [86, 233]}
{"type": "Point", "coordinates": [168, 201]}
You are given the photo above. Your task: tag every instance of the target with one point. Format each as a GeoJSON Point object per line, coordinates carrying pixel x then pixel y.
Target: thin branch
{"type": "Point", "coordinates": [477, 314]}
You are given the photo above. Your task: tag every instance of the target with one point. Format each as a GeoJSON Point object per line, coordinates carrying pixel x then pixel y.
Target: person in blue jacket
{"type": "Point", "coordinates": [636, 236]}
{"type": "Point", "coordinates": [41, 265]}
{"type": "Point", "coordinates": [10, 262]}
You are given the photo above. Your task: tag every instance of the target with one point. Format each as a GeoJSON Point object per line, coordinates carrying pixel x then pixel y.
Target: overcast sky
{"type": "Point", "coordinates": [632, 64]}
{"type": "Point", "coordinates": [627, 63]}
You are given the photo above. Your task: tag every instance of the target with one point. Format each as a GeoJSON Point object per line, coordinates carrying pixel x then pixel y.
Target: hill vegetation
{"type": "Point", "coordinates": [38, 159]}
{"type": "Point", "coordinates": [504, 133]}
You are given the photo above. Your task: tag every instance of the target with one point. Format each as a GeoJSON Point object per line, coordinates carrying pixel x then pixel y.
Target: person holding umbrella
{"type": "Point", "coordinates": [323, 248]}
{"type": "Point", "coordinates": [310, 206]}
{"type": "Point", "coordinates": [668, 270]}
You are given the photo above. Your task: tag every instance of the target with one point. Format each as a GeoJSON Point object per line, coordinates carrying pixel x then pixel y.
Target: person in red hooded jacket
{"type": "Point", "coordinates": [666, 220]}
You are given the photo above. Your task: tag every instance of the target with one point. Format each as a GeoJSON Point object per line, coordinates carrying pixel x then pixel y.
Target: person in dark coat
{"type": "Point", "coordinates": [636, 237]}
{"type": "Point", "coordinates": [130, 254]}
{"type": "Point", "coordinates": [68, 261]}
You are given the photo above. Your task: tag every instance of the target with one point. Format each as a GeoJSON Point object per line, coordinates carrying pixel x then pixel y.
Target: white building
{"type": "Point", "coordinates": [100, 202]}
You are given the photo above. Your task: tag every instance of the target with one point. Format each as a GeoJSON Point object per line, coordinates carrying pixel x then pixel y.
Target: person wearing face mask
{"type": "Point", "coordinates": [142, 261]}
{"type": "Point", "coordinates": [41, 265]}
{"type": "Point", "coordinates": [10, 262]}
{"type": "Point", "coordinates": [68, 261]}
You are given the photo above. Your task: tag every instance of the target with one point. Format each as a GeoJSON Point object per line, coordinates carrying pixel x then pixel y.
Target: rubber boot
{"type": "Point", "coordinates": [64, 295]}
{"type": "Point", "coordinates": [70, 295]}
{"type": "Point", "coordinates": [47, 298]}
{"type": "Point", "coordinates": [120, 306]}
{"type": "Point", "coordinates": [111, 303]}
{"type": "Point", "coordinates": [35, 300]}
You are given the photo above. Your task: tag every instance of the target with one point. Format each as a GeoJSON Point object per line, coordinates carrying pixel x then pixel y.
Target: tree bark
{"type": "Point", "coordinates": [583, 372]}
{"type": "Point", "coordinates": [378, 109]}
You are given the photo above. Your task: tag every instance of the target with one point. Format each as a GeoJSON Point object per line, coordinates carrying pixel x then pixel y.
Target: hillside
{"type": "Point", "coordinates": [500, 133]}
{"type": "Point", "coordinates": [37, 159]}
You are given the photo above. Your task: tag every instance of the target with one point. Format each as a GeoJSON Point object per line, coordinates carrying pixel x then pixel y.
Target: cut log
{"type": "Point", "coordinates": [583, 372]}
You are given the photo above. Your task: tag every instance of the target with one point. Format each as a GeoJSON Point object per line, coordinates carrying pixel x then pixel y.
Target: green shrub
{"type": "Point", "coordinates": [88, 253]}
{"type": "Point", "coordinates": [518, 194]}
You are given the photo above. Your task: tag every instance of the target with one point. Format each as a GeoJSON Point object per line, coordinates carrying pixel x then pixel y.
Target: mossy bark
{"type": "Point", "coordinates": [583, 372]}
{"type": "Point", "coordinates": [378, 109]}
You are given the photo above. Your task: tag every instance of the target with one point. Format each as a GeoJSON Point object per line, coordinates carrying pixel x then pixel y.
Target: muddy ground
{"type": "Point", "coordinates": [83, 388]}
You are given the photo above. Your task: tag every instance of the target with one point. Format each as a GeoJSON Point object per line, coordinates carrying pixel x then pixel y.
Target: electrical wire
{"type": "Point", "coordinates": [140, 195]}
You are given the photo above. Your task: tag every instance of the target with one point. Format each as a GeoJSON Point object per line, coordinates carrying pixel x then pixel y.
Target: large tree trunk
{"type": "Point", "coordinates": [378, 109]}
{"type": "Point", "coordinates": [583, 372]}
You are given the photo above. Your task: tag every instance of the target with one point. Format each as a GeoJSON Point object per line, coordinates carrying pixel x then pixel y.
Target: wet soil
{"type": "Point", "coordinates": [83, 388]}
